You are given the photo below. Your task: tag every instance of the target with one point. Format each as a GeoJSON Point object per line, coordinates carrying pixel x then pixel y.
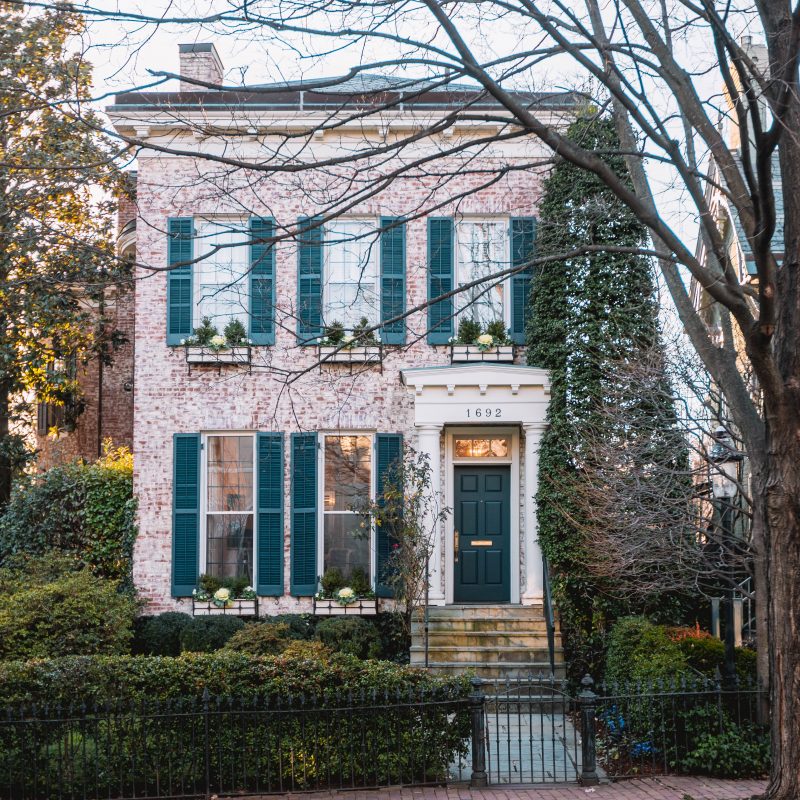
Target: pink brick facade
{"type": "Point", "coordinates": [285, 389]}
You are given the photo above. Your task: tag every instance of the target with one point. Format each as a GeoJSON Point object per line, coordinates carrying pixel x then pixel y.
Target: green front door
{"type": "Point", "coordinates": [483, 521]}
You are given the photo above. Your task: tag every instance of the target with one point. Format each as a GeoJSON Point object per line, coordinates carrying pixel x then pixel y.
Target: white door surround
{"type": "Point", "coordinates": [496, 398]}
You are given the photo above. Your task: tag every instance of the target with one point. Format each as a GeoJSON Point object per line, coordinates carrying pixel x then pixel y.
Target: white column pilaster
{"type": "Point", "coordinates": [428, 442]}
{"type": "Point", "coordinates": [534, 578]}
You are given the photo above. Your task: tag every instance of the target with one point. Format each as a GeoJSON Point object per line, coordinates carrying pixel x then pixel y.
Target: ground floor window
{"type": "Point", "coordinates": [229, 506]}
{"type": "Point", "coordinates": [347, 484]}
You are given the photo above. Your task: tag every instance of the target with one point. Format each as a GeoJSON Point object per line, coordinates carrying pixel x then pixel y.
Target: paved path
{"type": "Point", "coordinates": [661, 788]}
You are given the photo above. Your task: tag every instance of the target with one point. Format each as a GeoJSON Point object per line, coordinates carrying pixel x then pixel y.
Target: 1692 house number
{"type": "Point", "coordinates": [484, 413]}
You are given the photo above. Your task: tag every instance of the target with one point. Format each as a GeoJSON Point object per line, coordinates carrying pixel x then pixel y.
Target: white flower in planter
{"type": "Point", "coordinates": [345, 595]}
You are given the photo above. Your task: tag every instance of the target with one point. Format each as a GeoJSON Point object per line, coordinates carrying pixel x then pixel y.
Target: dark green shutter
{"type": "Point", "coordinates": [185, 513]}
{"type": "Point", "coordinates": [269, 554]}
{"type": "Point", "coordinates": [393, 279]}
{"type": "Point", "coordinates": [388, 453]}
{"type": "Point", "coordinates": [309, 280]}
{"type": "Point", "coordinates": [179, 280]}
{"type": "Point", "coordinates": [523, 240]}
{"type": "Point", "coordinates": [262, 281]}
{"type": "Point", "coordinates": [440, 278]}
{"type": "Point", "coordinates": [304, 514]}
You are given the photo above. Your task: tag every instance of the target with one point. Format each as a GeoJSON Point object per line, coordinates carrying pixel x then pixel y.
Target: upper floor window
{"type": "Point", "coordinates": [482, 249]}
{"type": "Point", "coordinates": [351, 290]}
{"type": "Point", "coordinates": [221, 286]}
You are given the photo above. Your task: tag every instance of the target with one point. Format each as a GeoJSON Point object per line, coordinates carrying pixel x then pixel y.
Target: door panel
{"type": "Point", "coordinates": [482, 517]}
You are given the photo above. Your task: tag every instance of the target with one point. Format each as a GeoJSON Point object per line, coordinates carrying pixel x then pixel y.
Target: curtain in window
{"type": "Point", "coordinates": [482, 251]}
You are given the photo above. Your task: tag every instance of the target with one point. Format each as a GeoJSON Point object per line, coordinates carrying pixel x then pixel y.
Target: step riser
{"type": "Point", "coordinates": [484, 638]}
{"type": "Point", "coordinates": [483, 625]}
{"type": "Point", "coordinates": [517, 657]}
{"type": "Point", "coordinates": [482, 612]}
{"type": "Point", "coordinates": [487, 671]}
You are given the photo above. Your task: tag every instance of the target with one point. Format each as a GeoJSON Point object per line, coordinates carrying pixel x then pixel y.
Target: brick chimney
{"type": "Point", "coordinates": [199, 62]}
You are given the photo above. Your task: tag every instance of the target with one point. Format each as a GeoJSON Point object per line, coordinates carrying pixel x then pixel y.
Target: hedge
{"type": "Point", "coordinates": [85, 510]}
{"type": "Point", "coordinates": [225, 673]}
{"type": "Point", "coordinates": [293, 722]}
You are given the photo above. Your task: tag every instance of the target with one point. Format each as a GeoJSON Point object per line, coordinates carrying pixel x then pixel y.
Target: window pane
{"type": "Point", "coordinates": [482, 251]}
{"type": "Point", "coordinates": [482, 447]}
{"type": "Point", "coordinates": [346, 544]}
{"type": "Point", "coordinates": [351, 273]}
{"type": "Point", "coordinates": [230, 545]}
{"type": "Point", "coordinates": [221, 276]}
{"type": "Point", "coordinates": [230, 473]}
{"type": "Point", "coordinates": [348, 469]}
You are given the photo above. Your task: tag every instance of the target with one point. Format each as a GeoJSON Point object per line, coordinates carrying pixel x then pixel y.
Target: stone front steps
{"type": "Point", "coordinates": [490, 641]}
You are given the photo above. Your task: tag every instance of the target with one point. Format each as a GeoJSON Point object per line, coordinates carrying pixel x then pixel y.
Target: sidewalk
{"type": "Point", "coordinates": [661, 788]}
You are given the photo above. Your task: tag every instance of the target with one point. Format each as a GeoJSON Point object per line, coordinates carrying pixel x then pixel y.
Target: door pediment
{"type": "Point", "coordinates": [478, 394]}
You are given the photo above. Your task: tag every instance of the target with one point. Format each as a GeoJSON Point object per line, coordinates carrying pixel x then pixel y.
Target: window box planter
{"type": "Point", "coordinates": [471, 352]}
{"type": "Point", "coordinates": [333, 608]}
{"type": "Point", "coordinates": [366, 354]}
{"type": "Point", "coordinates": [196, 354]}
{"type": "Point", "coordinates": [238, 608]}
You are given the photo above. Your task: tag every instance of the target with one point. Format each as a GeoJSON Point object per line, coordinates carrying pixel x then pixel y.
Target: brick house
{"type": "Point", "coordinates": [247, 461]}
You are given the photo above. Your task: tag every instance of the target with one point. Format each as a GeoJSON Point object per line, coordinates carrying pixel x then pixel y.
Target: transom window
{"type": "Point", "coordinates": [229, 506]}
{"type": "Point", "coordinates": [482, 249]}
{"type": "Point", "coordinates": [221, 285]}
{"type": "Point", "coordinates": [347, 484]}
{"type": "Point", "coordinates": [482, 446]}
{"type": "Point", "coordinates": [352, 288]}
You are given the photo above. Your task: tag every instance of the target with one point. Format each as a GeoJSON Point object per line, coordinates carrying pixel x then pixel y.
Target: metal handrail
{"type": "Point", "coordinates": [549, 615]}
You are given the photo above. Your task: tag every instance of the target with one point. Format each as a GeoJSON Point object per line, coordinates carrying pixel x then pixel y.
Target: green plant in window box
{"type": "Point", "coordinates": [468, 331]}
{"type": "Point", "coordinates": [499, 333]}
{"type": "Point", "coordinates": [334, 586]}
{"type": "Point", "coordinates": [222, 592]}
{"type": "Point", "coordinates": [363, 337]}
{"type": "Point", "coordinates": [334, 335]}
{"type": "Point", "coordinates": [235, 334]}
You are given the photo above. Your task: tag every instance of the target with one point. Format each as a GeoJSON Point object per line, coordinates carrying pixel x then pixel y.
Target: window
{"type": "Point", "coordinates": [229, 506]}
{"type": "Point", "coordinates": [347, 482]}
{"type": "Point", "coordinates": [482, 446]}
{"type": "Point", "coordinates": [221, 285]}
{"type": "Point", "coordinates": [352, 288]}
{"type": "Point", "coordinates": [482, 250]}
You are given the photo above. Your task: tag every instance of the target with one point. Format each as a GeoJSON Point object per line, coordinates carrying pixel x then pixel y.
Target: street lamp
{"type": "Point", "coordinates": [724, 486]}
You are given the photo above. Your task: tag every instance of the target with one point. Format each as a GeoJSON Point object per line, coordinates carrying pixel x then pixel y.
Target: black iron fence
{"type": "Point", "coordinates": [199, 747]}
{"type": "Point", "coordinates": [522, 731]}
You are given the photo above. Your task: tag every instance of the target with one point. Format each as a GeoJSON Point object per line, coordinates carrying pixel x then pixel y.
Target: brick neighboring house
{"type": "Point", "coordinates": [239, 471]}
{"type": "Point", "coordinates": [107, 389]}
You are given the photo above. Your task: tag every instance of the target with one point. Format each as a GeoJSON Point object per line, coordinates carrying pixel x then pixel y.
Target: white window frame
{"type": "Point", "coordinates": [203, 550]}
{"type": "Point", "coordinates": [203, 245]}
{"type": "Point", "coordinates": [375, 260]}
{"type": "Point", "coordinates": [505, 221]}
{"type": "Point", "coordinates": [322, 435]}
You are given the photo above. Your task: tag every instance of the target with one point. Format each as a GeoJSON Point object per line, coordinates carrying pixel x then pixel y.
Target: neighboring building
{"type": "Point", "coordinates": [107, 389]}
{"type": "Point", "coordinates": [248, 463]}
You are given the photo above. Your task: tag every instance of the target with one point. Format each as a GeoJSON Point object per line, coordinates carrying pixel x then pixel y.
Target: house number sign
{"type": "Point", "coordinates": [484, 412]}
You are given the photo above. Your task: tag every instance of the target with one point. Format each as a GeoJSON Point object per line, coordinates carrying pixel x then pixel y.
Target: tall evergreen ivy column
{"type": "Point", "coordinates": [586, 315]}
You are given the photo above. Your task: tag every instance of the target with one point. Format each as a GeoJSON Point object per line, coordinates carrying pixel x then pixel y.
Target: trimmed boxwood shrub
{"type": "Point", "coordinates": [161, 635]}
{"type": "Point", "coordinates": [85, 510]}
{"type": "Point", "coordinates": [707, 656]}
{"type": "Point", "coordinates": [641, 651]}
{"type": "Point", "coordinates": [46, 614]}
{"type": "Point", "coordinates": [224, 673]}
{"type": "Point", "coordinates": [353, 635]}
{"type": "Point", "coordinates": [260, 639]}
{"type": "Point", "coordinates": [207, 634]}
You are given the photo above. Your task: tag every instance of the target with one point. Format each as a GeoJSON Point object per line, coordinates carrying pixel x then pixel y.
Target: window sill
{"type": "Point", "coordinates": [207, 355]}
{"type": "Point", "coordinates": [238, 608]}
{"type": "Point", "coordinates": [332, 608]}
{"type": "Point", "coordinates": [470, 352]}
{"type": "Point", "coordinates": [369, 354]}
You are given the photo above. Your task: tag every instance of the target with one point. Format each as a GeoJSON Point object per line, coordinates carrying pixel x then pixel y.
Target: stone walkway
{"type": "Point", "coordinates": [661, 788]}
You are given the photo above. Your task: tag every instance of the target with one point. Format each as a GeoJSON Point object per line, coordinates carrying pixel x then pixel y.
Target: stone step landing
{"type": "Point", "coordinates": [489, 641]}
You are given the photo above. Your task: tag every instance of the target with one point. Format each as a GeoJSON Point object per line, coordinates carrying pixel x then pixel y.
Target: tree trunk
{"type": "Point", "coordinates": [783, 568]}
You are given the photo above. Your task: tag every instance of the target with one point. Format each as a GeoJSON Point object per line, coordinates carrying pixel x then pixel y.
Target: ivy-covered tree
{"type": "Point", "coordinates": [589, 315]}
{"type": "Point", "coordinates": [56, 248]}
